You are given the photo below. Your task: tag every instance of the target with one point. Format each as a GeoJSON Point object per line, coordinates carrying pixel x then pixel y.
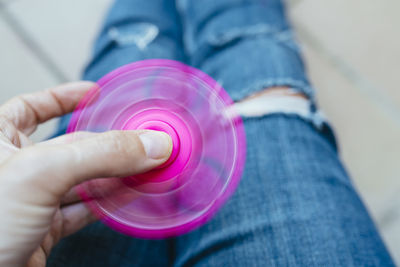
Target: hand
{"type": "Point", "coordinates": [38, 203]}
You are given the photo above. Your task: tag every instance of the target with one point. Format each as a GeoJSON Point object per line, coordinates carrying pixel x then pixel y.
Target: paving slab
{"type": "Point", "coordinates": [367, 140]}
{"type": "Point", "coordinates": [364, 33]}
{"type": "Point", "coordinates": [65, 30]}
{"type": "Point", "coordinates": [21, 72]}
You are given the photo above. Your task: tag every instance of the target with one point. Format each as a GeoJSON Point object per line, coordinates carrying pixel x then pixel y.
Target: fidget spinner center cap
{"type": "Point", "coordinates": [164, 127]}
{"type": "Point", "coordinates": [165, 121]}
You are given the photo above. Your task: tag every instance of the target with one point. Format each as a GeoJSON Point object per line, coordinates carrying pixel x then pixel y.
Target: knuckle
{"type": "Point", "coordinates": [123, 144]}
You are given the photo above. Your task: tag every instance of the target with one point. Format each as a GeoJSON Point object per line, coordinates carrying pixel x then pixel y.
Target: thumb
{"type": "Point", "coordinates": [57, 168]}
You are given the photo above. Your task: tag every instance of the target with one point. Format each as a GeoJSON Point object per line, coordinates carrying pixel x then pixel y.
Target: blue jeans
{"type": "Point", "coordinates": [296, 204]}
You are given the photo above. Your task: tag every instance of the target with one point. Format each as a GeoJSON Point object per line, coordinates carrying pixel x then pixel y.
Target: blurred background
{"type": "Point", "coordinates": [352, 50]}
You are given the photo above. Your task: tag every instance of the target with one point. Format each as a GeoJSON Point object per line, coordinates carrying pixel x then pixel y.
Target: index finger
{"type": "Point", "coordinates": [27, 111]}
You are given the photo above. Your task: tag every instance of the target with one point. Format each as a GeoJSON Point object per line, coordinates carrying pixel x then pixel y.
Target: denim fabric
{"type": "Point", "coordinates": [295, 205]}
{"type": "Point", "coordinates": [249, 40]}
{"type": "Point", "coordinates": [135, 30]}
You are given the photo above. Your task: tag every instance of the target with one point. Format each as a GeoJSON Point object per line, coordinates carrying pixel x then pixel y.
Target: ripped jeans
{"type": "Point", "coordinates": [296, 204]}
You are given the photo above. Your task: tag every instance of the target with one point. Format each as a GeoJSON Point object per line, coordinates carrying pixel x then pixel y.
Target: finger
{"type": "Point", "coordinates": [71, 137]}
{"type": "Point", "coordinates": [104, 188]}
{"type": "Point", "coordinates": [56, 169]}
{"type": "Point", "coordinates": [27, 111]}
{"type": "Point", "coordinates": [67, 138]}
{"type": "Point", "coordinates": [72, 196]}
{"type": "Point", "coordinates": [75, 217]}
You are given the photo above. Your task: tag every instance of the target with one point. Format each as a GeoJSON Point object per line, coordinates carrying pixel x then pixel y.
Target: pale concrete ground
{"type": "Point", "coordinates": [352, 51]}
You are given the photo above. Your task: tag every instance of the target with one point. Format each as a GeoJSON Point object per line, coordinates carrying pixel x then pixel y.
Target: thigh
{"type": "Point", "coordinates": [295, 205]}
{"type": "Point", "coordinates": [98, 245]}
{"type": "Point", "coordinates": [134, 30]}
{"type": "Point", "coordinates": [246, 45]}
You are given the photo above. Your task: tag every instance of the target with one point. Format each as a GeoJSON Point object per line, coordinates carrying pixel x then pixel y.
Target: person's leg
{"type": "Point", "coordinates": [134, 30]}
{"type": "Point", "coordinates": [295, 205]}
{"type": "Point", "coordinates": [246, 45]}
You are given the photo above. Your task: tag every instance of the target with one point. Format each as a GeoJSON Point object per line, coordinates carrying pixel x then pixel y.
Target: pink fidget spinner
{"type": "Point", "coordinates": [208, 156]}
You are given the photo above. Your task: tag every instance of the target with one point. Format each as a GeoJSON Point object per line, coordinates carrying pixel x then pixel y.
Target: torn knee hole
{"type": "Point", "coordinates": [139, 34]}
{"type": "Point", "coordinates": [275, 91]}
{"type": "Point", "coordinates": [274, 100]}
